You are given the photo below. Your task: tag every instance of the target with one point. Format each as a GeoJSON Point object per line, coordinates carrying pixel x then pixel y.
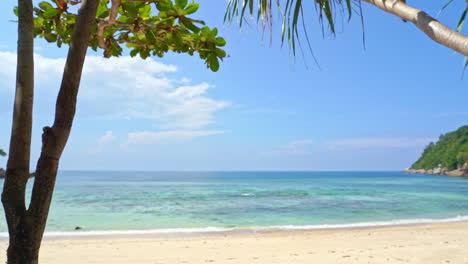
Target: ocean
{"type": "Point", "coordinates": [159, 202]}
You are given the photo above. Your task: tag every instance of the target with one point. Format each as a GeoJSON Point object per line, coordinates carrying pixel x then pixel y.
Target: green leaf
{"type": "Point", "coordinates": [123, 19]}
{"type": "Point", "coordinates": [134, 52]}
{"type": "Point", "coordinates": [163, 6]}
{"type": "Point", "coordinates": [191, 8]}
{"type": "Point", "coordinates": [132, 10]}
{"type": "Point", "coordinates": [220, 41]}
{"type": "Point", "coordinates": [188, 24]}
{"type": "Point", "coordinates": [297, 9]}
{"type": "Point", "coordinates": [150, 36]}
{"type": "Point", "coordinates": [15, 10]}
{"type": "Point", "coordinates": [50, 37]}
{"type": "Point", "coordinates": [201, 22]}
{"type": "Point", "coordinates": [102, 10]}
{"type": "Point", "coordinates": [214, 63]}
{"type": "Point", "coordinates": [445, 6]}
{"type": "Point", "coordinates": [328, 13]}
{"type": "Point", "coordinates": [244, 7]}
{"type": "Point", "coordinates": [220, 53]}
{"type": "Point", "coordinates": [462, 20]}
{"type": "Point", "coordinates": [45, 6]}
{"type": "Point", "coordinates": [50, 13]}
{"type": "Point", "coordinates": [350, 10]}
{"type": "Point", "coordinates": [181, 3]}
{"type": "Point", "coordinates": [144, 53]}
{"type": "Point", "coordinates": [205, 31]}
{"type": "Point", "coordinates": [145, 11]}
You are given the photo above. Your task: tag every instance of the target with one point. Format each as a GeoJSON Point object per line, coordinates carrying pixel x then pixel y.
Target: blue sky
{"type": "Point", "coordinates": [364, 109]}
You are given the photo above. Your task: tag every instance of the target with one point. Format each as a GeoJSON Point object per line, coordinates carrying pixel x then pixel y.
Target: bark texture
{"type": "Point", "coordinates": [26, 226]}
{"type": "Point", "coordinates": [427, 24]}
{"type": "Point", "coordinates": [17, 173]}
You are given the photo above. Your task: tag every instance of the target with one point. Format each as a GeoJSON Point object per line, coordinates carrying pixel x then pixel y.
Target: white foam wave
{"type": "Point", "coordinates": [373, 224]}
{"type": "Point", "coordinates": [135, 232]}
{"type": "Point", "coordinates": [265, 228]}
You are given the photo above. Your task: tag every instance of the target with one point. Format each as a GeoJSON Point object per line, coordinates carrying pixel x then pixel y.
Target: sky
{"type": "Point", "coordinates": [360, 108]}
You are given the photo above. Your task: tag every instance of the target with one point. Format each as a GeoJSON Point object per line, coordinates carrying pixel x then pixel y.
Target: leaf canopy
{"type": "Point", "coordinates": [150, 28]}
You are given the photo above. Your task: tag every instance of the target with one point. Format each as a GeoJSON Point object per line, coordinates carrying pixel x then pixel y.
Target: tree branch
{"type": "Point", "coordinates": [107, 22]}
{"type": "Point", "coordinates": [429, 25]}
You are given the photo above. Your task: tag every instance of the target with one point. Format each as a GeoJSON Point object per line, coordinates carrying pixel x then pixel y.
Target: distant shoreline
{"type": "Point", "coordinates": [463, 172]}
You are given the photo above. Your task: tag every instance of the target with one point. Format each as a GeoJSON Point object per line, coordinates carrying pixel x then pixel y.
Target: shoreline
{"type": "Point", "coordinates": [416, 244]}
{"type": "Point", "coordinates": [462, 172]}
{"type": "Point", "coordinates": [223, 231]}
{"type": "Point", "coordinates": [244, 232]}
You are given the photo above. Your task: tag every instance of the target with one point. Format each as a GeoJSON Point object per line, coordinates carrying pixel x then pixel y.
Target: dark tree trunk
{"type": "Point", "coordinates": [23, 249]}
{"type": "Point", "coordinates": [16, 177]}
{"type": "Point", "coordinates": [26, 227]}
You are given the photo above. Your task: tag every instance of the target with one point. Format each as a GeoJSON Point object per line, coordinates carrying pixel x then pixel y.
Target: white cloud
{"type": "Point", "coordinates": [378, 142]}
{"type": "Point", "coordinates": [150, 137]}
{"type": "Point", "coordinates": [125, 88]}
{"type": "Point", "coordinates": [7, 69]}
{"type": "Point", "coordinates": [104, 140]}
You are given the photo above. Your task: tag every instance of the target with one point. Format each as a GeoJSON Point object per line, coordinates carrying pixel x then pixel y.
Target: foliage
{"type": "Point", "coordinates": [451, 151]}
{"type": "Point", "coordinates": [145, 29]}
{"type": "Point", "coordinates": [292, 15]}
{"type": "Point", "coordinates": [2, 153]}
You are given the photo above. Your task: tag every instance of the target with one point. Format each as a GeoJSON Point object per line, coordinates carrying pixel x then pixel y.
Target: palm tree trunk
{"type": "Point", "coordinates": [427, 24]}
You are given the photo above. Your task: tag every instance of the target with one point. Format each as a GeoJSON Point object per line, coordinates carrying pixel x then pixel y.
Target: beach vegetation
{"type": "Point", "coordinates": [450, 152]}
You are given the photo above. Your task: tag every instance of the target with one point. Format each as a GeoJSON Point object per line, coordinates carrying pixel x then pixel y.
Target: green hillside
{"type": "Point", "coordinates": [451, 151]}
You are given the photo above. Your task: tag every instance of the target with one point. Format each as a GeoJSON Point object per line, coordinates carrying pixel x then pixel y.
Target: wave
{"type": "Point", "coordinates": [200, 230]}
{"type": "Point", "coordinates": [460, 218]}
{"type": "Point", "coordinates": [134, 232]}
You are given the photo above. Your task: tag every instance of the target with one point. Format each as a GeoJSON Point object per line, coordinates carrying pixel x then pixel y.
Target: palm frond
{"type": "Point", "coordinates": [291, 12]}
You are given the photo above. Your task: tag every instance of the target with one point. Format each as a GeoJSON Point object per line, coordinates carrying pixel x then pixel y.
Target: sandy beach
{"type": "Point", "coordinates": [429, 243]}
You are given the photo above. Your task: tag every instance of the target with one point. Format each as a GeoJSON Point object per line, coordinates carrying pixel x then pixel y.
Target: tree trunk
{"type": "Point", "coordinates": [26, 227]}
{"type": "Point", "coordinates": [23, 249]}
{"type": "Point", "coordinates": [16, 177]}
{"type": "Point", "coordinates": [427, 24]}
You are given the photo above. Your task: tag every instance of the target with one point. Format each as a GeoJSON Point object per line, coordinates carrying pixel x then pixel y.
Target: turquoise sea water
{"type": "Point", "coordinates": [118, 201]}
